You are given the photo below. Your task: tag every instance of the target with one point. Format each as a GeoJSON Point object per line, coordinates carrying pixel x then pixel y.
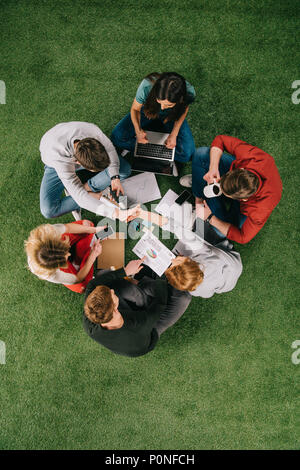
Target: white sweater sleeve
{"type": "Point", "coordinates": [76, 189]}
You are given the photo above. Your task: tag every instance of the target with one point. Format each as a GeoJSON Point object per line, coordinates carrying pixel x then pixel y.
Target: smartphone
{"type": "Point", "coordinates": [184, 196]}
{"type": "Point", "coordinates": [105, 232]}
{"type": "Point", "coordinates": [114, 195]}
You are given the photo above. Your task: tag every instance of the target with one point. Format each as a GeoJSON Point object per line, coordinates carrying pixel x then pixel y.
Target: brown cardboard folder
{"type": "Point", "coordinates": [113, 252]}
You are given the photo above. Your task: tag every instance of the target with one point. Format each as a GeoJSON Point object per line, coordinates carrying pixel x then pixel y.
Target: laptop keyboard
{"type": "Point", "coordinates": [154, 151]}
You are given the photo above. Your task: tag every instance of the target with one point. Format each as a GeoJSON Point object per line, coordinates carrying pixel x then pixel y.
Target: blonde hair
{"type": "Point", "coordinates": [46, 250]}
{"type": "Point", "coordinates": [185, 276]}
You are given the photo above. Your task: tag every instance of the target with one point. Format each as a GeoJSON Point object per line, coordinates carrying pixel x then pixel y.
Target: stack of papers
{"type": "Point", "coordinates": [181, 215]}
{"type": "Point", "coordinates": [141, 188]}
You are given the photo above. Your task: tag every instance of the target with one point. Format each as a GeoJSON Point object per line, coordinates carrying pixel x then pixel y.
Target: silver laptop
{"type": "Point", "coordinates": [155, 156]}
{"type": "Point", "coordinates": [156, 148]}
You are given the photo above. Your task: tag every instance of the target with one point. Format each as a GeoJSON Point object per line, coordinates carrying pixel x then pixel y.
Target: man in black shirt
{"type": "Point", "coordinates": [129, 317]}
{"type": "Point", "coordinates": [121, 315]}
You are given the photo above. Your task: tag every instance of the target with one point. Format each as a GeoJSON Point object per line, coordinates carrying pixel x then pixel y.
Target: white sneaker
{"type": "Point", "coordinates": [76, 214]}
{"type": "Point", "coordinates": [186, 181]}
{"type": "Point", "coordinates": [175, 171]}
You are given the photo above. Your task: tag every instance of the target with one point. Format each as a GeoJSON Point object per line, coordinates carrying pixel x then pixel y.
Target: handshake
{"type": "Point", "coordinates": [136, 212]}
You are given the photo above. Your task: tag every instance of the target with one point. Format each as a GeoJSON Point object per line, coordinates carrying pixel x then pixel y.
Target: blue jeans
{"type": "Point", "coordinates": [51, 202]}
{"type": "Point", "coordinates": [123, 135]}
{"type": "Point", "coordinates": [222, 207]}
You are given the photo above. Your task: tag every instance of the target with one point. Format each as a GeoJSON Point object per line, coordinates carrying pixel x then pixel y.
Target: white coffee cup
{"type": "Point", "coordinates": [212, 190]}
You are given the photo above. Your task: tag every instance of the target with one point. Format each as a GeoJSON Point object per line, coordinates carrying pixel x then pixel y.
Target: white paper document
{"type": "Point", "coordinates": [183, 215]}
{"type": "Point", "coordinates": [141, 188]}
{"type": "Point", "coordinates": [158, 256]}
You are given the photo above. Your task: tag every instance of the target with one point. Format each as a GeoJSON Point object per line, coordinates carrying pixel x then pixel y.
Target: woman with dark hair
{"type": "Point", "coordinates": [161, 104]}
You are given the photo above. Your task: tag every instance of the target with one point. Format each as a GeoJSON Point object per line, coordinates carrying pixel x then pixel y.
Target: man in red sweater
{"type": "Point", "coordinates": [250, 183]}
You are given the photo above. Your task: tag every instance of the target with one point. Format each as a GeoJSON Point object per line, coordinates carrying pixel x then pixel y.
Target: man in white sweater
{"type": "Point", "coordinates": [72, 146]}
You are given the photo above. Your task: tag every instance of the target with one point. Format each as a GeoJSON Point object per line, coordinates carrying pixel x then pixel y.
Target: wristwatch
{"type": "Point", "coordinates": [116, 177]}
{"type": "Point", "coordinates": [208, 218]}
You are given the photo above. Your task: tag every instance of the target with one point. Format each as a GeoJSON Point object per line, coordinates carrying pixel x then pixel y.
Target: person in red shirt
{"type": "Point", "coordinates": [250, 184]}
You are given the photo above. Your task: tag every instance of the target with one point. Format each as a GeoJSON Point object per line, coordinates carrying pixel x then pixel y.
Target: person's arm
{"type": "Point", "coordinates": [240, 235]}
{"type": "Point", "coordinates": [133, 267]}
{"type": "Point", "coordinates": [203, 212]}
{"type": "Point", "coordinates": [128, 214]}
{"type": "Point", "coordinates": [87, 200]}
{"type": "Point", "coordinates": [157, 291]}
{"type": "Point", "coordinates": [96, 250]}
{"type": "Point", "coordinates": [135, 113]}
{"type": "Point", "coordinates": [94, 202]}
{"type": "Point", "coordinates": [86, 227]}
{"type": "Point", "coordinates": [222, 226]}
{"type": "Point", "coordinates": [249, 229]}
{"type": "Point", "coordinates": [153, 218]}
{"type": "Point", "coordinates": [159, 302]}
{"type": "Point", "coordinates": [213, 172]}
{"type": "Point", "coordinates": [171, 140]}
{"type": "Point", "coordinates": [220, 144]}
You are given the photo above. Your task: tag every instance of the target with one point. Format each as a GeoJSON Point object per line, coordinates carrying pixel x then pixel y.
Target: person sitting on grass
{"type": "Point", "coordinates": [64, 253]}
{"type": "Point", "coordinates": [218, 267]}
{"type": "Point", "coordinates": [161, 104]}
{"type": "Point", "coordinates": [199, 270]}
{"type": "Point", "coordinates": [129, 317]}
{"type": "Point", "coordinates": [79, 158]}
{"type": "Point", "coordinates": [250, 183]}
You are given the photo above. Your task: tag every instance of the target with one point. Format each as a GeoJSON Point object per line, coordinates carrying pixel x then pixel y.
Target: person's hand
{"type": "Point", "coordinates": [211, 175]}
{"type": "Point", "coordinates": [100, 228]}
{"type": "Point", "coordinates": [129, 214]}
{"type": "Point", "coordinates": [141, 137]}
{"type": "Point", "coordinates": [163, 221]}
{"type": "Point", "coordinates": [117, 186]}
{"type": "Point", "coordinates": [87, 223]}
{"type": "Point", "coordinates": [134, 267]}
{"type": "Point", "coordinates": [170, 143]}
{"type": "Point", "coordinates": [96, 249]}
{"type": "Point", "coordinates": [202, 209]}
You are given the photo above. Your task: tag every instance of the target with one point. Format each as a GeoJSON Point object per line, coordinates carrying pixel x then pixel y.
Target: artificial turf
{"type": "Point", "coordinates": [222, 377]}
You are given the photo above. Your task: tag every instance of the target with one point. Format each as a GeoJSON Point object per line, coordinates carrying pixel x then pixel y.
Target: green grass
{"type": "Point", "coordinates": [222, 377]}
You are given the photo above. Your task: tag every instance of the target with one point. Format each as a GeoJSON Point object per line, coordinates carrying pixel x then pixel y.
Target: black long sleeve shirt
{"type": "Point", "coordinates": [140, 307]}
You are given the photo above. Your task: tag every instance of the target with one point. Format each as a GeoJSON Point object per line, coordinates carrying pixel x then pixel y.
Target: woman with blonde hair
{"type": "Point", "coordinates": [64, 253]}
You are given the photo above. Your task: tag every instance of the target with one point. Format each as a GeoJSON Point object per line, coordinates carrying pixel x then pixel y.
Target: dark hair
{"type": "Point", "coordinates": [239, 183]}
{"type": "Point", "coordinates": [99, 305]}
{"type": "Point", "coordinates": [92, 154]}
{"type": "Point", "coordinates": [166, 86]}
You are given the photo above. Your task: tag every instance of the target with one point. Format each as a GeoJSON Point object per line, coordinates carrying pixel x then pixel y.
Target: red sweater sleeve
{"type": "Point", "coordinates": [248, 231]}
{"type": "Point", "coordinates": [227, 143]}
